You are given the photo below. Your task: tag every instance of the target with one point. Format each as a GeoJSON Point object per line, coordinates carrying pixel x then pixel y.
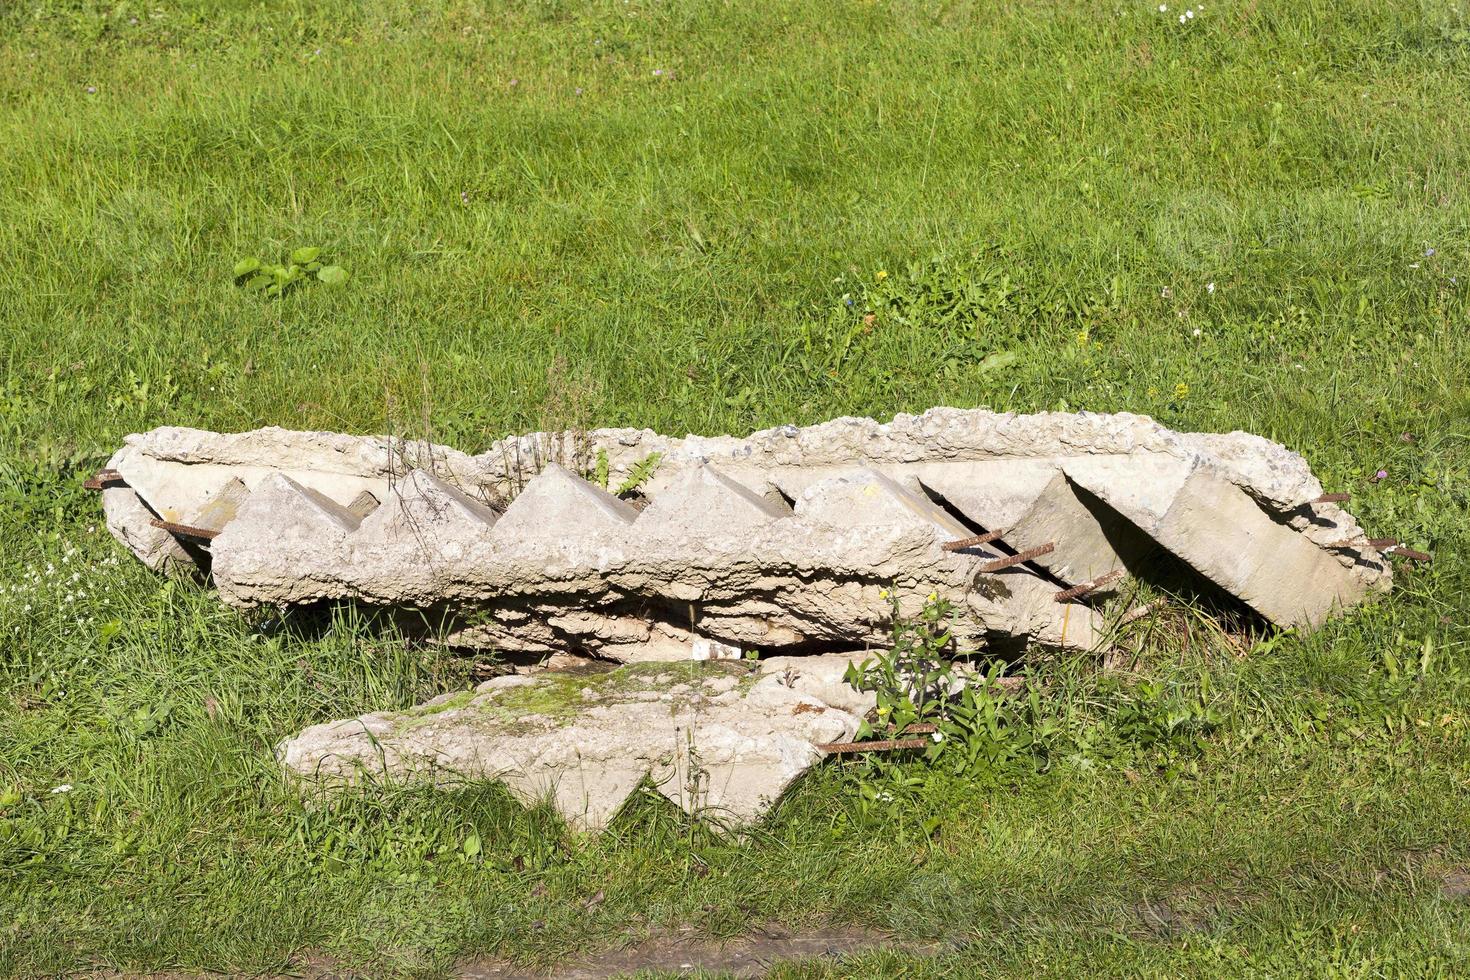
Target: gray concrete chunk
{"type": "Point", "coordinates": [425, 510]}
{"type": "Point", "coordinates": [705, 501]}
{"type": "Point", "coordinates": [558, 503]}
{"type": "Point", "coordinates": [1089, 542]}
{"type": "Point", "coordinates": [866, 498]}
{"type": "Point", "coordinates": [721, 740]}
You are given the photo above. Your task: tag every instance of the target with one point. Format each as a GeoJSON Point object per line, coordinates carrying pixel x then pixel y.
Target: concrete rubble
{"type": "Point", "coordinates": [731, 578]}
{"type": "Point", "coordinates": [722, 740]}
{"type": "Point", "coordinates": [782, 542]}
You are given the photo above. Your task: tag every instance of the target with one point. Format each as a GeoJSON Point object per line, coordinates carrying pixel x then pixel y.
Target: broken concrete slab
{"type": "Point", "coordinates": [1225, 534]}
{"type": "Point", "coordinates": [721, 739]}
{"type": "Point", "coordinates": [718, 556]}
{"type": "Point", "coordinates": [866, 498]}
{"type": "Point", "coordinates": [587, 578]}
{"type": "Point", "coordinates": [283, 518]}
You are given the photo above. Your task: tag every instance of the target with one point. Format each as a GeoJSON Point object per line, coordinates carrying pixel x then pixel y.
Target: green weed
{"type": "Point", "coordinates": [276, 279]}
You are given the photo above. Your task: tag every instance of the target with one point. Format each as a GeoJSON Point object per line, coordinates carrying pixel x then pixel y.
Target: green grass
{"type": "Point", "coordinates": [1032, 199]}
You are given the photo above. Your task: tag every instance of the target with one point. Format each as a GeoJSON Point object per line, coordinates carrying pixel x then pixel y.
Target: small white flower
{"type": "Point", "coordinates": [1189, 13]}
{"type": "Point", "coordinates": [1163, 8]}
{"type": "Point", "coordinates": [1181, 18]}
{"type": "Point", "coordinates": [1210, 288]}
{"type": "Point", "coordinates": [63, 788]}
{"type": "Point", "coordinates": [1198, 332]}
{"type": "Point", "coordinates": [937, 736]}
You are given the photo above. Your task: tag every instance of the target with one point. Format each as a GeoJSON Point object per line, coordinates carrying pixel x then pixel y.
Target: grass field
{"type": "Point", "coordinates": [709, 217]}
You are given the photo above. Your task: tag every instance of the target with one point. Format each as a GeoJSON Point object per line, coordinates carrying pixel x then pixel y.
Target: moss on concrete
{"type": "Point", "coordinates": [556, 697]}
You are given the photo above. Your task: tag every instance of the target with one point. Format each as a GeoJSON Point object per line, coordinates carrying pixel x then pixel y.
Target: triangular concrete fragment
{"type": "Point", "coordinates": [867, 497]}
{"type": "Point", "coordinates": [707, 501]}
{"type": "Point", "coordinates": [556, 503]}
{"type": "Point", "coordinates": [1225, 535]}
{"type": "Point", "coordinates": [587, 795]}
{"type": "Point", "coordinates": [1278, 572]}
{"type": "Point", "coordinates": [1142, 486]}
{"type": "Point", "coordinates": [993, 494]}
{"type": "Point", "coordinates": [422, 506]}
{"type": "Point", "coordinates": [281, 508]}
{"type": "Point", "coordinates": [1089, 542]}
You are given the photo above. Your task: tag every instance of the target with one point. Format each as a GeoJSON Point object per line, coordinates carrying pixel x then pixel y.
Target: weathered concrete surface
{"type": "Point", "coordinates": [720, 739]}
{"type": "Point", "coordinates": [568, 566]}
{"type": "Point", "coordinates": [1274, 562]}
{"type": "Point", "coordinates": [781, 541]}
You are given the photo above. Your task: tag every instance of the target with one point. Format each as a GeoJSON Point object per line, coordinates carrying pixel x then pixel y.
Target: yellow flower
{"type": "Point", "coordinates": [1153, 392]}
{"type": "Point", "coordinates": [1181, 390]}
{"type": "Point", "coordinates": [933, 596]}
{"type": "Point", "coordinates": [882, 273]}
{"type": "Point", "coordinates": [883, 593]}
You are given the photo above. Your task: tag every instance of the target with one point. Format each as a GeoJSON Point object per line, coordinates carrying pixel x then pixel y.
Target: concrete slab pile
{"type": "Point", "coordinates": [780, 542]}
{"type": "Point", "coordinates": [783, 543]}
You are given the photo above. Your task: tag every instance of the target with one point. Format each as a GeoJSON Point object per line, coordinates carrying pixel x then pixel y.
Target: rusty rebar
{"type": "Point", "coordinates": [1019, 558]}
{"type": "Point", "coordinates": [1409, 553]}
{"type": "Point", "coordinates": [1383, 544]}
{"type": "Point", "coordinates": [185, 530]}
{"type": "Point", "coordinates": [972, 542]}
{"type": "Point", "coordinates": [102, 479]}
{"type": "Point", "coordinates": [1333, 498]}
{"type": "Point", "coordinates": [1081, 590]}
{"type": "Point", "coordinates": [883, 745]}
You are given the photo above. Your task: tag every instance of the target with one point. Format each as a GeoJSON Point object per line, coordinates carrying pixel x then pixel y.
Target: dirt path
{"type": "Point", "coordinates": [749, 956]}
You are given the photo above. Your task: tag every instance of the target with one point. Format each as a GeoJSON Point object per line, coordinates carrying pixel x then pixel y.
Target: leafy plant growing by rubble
{"type": "Point", "coordinates": [275, 279]}
{"type": "Point", "coordinates": [640, 474]}
{"type": "Point", "coordinates": [979, 729]}
{"type": "Point", "coordinates": [981, 726]}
